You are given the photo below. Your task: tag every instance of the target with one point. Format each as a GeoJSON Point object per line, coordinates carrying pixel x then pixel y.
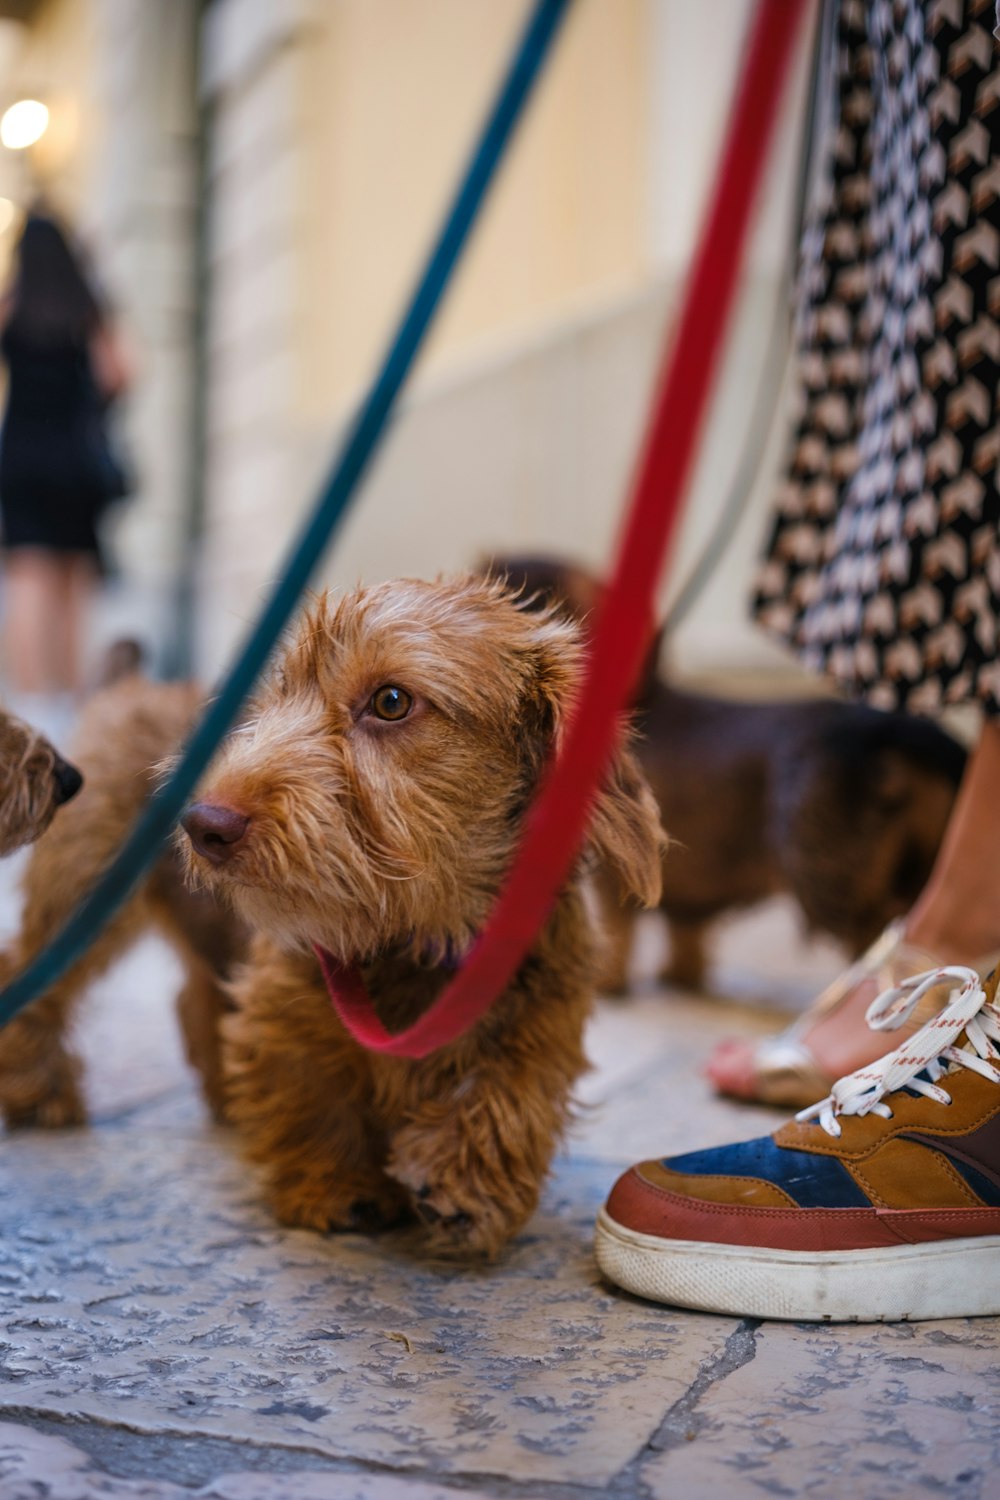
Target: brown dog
{"type": "Point", "coordinates": [34, 782]}
{"type": "Point", "coordinates": [371, 803]}
{"type": "Point", "coordinates": [838, 805]}
{"type": "Point", "coordinates": [124, 731]}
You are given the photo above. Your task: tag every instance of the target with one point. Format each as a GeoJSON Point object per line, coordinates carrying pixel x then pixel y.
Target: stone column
{"type": "Point", "coordinates": [139, 212]}
{"type": "Point", "coordinates": [250, 76]}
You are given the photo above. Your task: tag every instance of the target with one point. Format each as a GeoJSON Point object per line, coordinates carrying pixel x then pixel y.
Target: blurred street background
{"type": "Point", "coordinates": [256, 182]}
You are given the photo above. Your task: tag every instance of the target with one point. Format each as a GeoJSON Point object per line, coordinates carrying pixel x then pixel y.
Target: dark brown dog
{"type": "Point", "coordinates": [370, 802]}
{"type": "Point", "coordinates": [836, 804]}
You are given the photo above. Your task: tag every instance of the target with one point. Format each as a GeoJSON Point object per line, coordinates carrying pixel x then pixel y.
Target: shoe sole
{"type": "Point", "coordinates": [943, 1279]}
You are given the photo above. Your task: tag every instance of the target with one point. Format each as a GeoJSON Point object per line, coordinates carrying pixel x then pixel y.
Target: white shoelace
{"type": "Point", "coordinates": [930, 1050]}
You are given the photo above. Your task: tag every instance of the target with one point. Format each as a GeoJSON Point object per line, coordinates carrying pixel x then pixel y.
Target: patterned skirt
{"type": "Point", "coordinates": [883, 564]}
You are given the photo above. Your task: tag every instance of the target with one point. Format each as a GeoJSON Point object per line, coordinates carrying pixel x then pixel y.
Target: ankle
{"type": "Point", "coordinates": [955, 938]}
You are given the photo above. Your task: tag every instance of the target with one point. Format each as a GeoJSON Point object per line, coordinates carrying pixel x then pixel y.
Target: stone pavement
{"type": "Point", "coordinates": [163, 1338]}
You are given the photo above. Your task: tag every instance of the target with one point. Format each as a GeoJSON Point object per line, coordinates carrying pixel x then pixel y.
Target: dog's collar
{"type": "Point", "coordinates": [348, 991]}
{"type": "Point", "coordinates": [345, 983]}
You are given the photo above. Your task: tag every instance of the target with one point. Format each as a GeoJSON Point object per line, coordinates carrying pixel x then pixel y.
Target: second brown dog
{"type": "Point", "coordinates": [838, 805]}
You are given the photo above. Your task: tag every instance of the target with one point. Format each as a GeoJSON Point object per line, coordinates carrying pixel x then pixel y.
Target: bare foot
{"type": "Point", "coordinates": [830, 1040]}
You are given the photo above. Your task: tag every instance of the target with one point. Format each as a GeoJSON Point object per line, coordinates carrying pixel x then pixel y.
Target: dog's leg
{"type": "Point", "coordinates": [40, 1075]}
{"type": "Point", "coordinates": [687, 964]}
{"type": "Point", "coordinates": [124, 731]}
{"type": "Point", "coordinates": [206, 939]}
{"type": "Point", "coordinates": [201, 1006]}
{"type": "Point", "coordinates": [474, 1155]}
{"type": "Point", "coordinates": [299, 1092]}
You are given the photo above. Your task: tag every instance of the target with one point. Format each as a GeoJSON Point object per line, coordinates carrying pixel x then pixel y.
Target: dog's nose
{"type": "Point", "coordinates": [67, 779]}
{"type": "Point", "coordinates": [215, 831]}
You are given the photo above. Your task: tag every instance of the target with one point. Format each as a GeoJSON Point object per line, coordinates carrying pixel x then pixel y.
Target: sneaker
{"type": "Point", "coordinates": [880, 1203]}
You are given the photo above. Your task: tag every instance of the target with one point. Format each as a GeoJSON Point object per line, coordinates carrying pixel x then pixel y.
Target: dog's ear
{"type": "Point", "coordinates": [624, 829]}
{"type": "Point", "coordinates": [554, 660]}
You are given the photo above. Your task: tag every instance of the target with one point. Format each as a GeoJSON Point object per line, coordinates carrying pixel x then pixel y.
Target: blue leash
{"type": "Point", "coordinates": [143, 845]}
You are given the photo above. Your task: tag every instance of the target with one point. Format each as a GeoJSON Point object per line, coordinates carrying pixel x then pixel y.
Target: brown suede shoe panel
{"type": "Point", "coordinates": [905, 1174]}
{"type": "Point", "coordinates": [639, 1205]}
{"type": "Point", "coordinates": [716, 1188]}
{"type": "Point", "coordinates": [975, 1102]}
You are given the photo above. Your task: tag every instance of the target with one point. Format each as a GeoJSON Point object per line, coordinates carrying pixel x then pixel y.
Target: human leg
{"type": "Point", "coordinates": [958, 912]}
{"type": "Point", "coordinates": [956, 919]}
{"type": "Point", "coordinates": [78, 576]}
{"type": "Point", "coordinates": [34, 587]}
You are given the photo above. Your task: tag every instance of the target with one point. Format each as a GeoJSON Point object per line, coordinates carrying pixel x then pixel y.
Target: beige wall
{"type": "Point", "coordinates": [394, 93]}
{"type": "Point", "coordinates": [521, 434]}
{"type": "Point", "coordinates": [339, 129]}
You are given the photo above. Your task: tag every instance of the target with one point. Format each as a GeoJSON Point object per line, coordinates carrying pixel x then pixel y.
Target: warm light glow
{"type": "Point", "coordinates": [23, 124]}
{"type": "Point", "coordinates": [7, 212]}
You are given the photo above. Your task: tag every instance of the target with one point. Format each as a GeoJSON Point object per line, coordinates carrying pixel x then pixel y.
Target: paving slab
{"type": "Point", "coordinates": [881, 1412]}
{"type": "Point", "coordinates": [140, 1273]}
{"type": "Point", "coordinates": [41, 1466]}
{"type": "Point", "coordinates": [647, 1094]}
{"type": "Point", "coordinates": [161, 1337]}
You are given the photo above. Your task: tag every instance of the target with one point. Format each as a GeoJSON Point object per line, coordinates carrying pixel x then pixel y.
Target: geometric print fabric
{"type": "Point", "coordinates": [883, 565]}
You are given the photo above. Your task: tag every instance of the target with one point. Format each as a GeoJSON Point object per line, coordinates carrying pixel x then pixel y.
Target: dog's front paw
{"type": "Point", "coordinates": [468, 1213]}
{"type": "Point", "coordinates": [361, 1206]}
{"type": "Point", "coordinates": [47, 1096]}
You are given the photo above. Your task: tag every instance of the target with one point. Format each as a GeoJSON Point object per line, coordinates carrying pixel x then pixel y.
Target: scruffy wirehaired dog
{"type": "Point", "coordinates": [371, 803]}
{"type": "Point", "coordinates": [838, 805]}
{"type": "Point", "coordinates": [34, 782]}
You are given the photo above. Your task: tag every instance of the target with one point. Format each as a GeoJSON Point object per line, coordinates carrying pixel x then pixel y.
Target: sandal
{"type": "Point", "coordinates": [782, 1070]}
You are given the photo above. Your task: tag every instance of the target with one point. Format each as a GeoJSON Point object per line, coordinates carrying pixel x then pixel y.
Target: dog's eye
{"type": "Point", "coordinates": [391, 703]}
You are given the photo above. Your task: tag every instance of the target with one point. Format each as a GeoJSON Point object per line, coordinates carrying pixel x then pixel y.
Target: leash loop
{"type": "Point", "coordinates": [556, 825]}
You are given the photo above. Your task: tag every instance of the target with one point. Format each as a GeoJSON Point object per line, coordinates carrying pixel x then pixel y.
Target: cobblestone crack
{"type": "Point", "coordinates": [683, 1423]}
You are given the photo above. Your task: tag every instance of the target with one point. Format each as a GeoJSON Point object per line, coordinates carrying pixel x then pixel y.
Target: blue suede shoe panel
{"type": "Point", "coordinates": [810, 1181]}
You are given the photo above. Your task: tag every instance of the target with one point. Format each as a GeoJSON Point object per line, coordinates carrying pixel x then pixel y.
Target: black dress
{"type": "Point", "coordinates": [883, 566]}
{"type": "Point", "coordinates": [53, 479]}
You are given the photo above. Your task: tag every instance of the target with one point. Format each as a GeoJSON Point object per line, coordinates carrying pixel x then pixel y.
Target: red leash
{"type": "Point", "coordinates": [558, 821]}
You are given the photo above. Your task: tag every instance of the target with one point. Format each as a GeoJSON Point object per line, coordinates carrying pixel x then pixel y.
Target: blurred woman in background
{"type": "Point", "coordinates": [58, 471]}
